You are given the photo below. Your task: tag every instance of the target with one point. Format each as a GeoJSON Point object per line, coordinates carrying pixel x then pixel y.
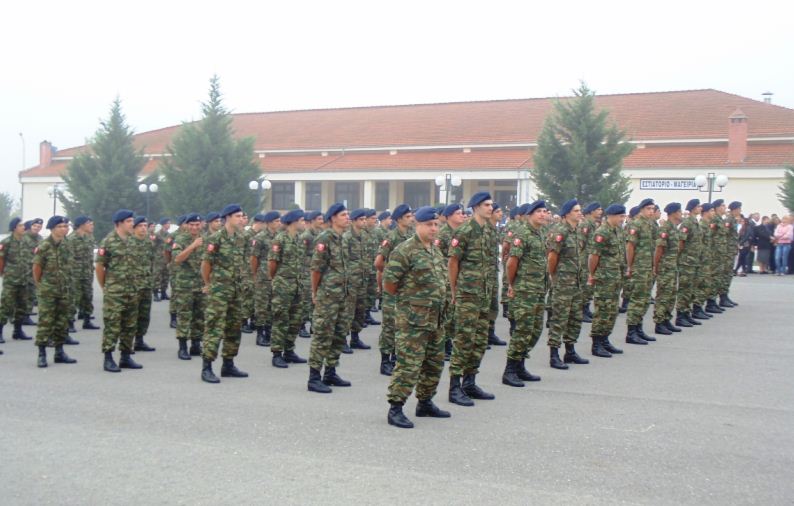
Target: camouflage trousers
{"type": "Point", "coordinates": [248, 297]}
{"type": "Point", "coordinates": [726, 274]}
{"type": "Point", "coordinates": [190, 304]}
{"type": "Point", "coordinates": [161, 275]}
{"type": "Point", "coordinates": [666, 289]}
{"type": "Point", "coordinates": [143, 301]}
{"type": "Point", "coordinates": [372, 289]}
{"type": "Point", "coordinates": [263, 291]}
{"type": "Point", "coordinates": [223, 318]}
{"type": "Point", "coordinates": [471, 332]}
{"type": "Point", "coordinates": [386, 339]}
{"type": "Point", "coordinates": [493, 308]}
{"type": "Point", "coordinates": [306, 297]}
{"type": "Point", "coordinates": [13, 303]}
{"type": "Point", "coordinates": [287, 317]}
{"type": "Point", "coordinates": [606, 303]}
{"type": "Point", "coordinates": [119, 317]}
{"type": "Point", "coordinates": [30, 299]}
{"type": "Point", "coordinates": [641, 285]}
{"type": "Point", "coordinates": [420, 353]}
{"type": "Point", "coordinates": [330, 324]}
{"type": "Point", "coordinates": [566, 310]}
{"type": "Point", "coordinates": [171, 280]}
{"type": "Point", "coordinates": [587, 290]}
{"type": "Point", "coordinates": [687, 283]}
{"type": "Point", "coordinates": [360, 306]}
{"type": "Point", "coordinates": [54, 313]}
{"type": "Point", "coordinates": [82, 295]}
{"type": "Point", "coordinates": [527, 310]}
{"type": "Point", "coordinates": [708, 286]}
{"type": "Point", "coordinates": [448, 328]}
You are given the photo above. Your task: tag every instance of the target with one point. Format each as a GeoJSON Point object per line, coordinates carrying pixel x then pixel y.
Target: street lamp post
{"type": "Point", "coordinates": [146, 189]}
{"type": "Point", "coordinates": [259, 186]}
{"type": "Point", "coordinates": [712, 183]}
{"type": "Point", "coordinates": [445, 182]}
{"type": "Point", "coordinates": [53, 192]}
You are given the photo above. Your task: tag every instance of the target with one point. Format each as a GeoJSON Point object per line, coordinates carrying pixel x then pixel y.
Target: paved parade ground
{"type": "Point", "coordinates": [701, 417]}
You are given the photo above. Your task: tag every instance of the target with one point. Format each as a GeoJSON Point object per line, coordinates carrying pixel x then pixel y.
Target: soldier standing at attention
{"type": "Point", "coordinates": [221, 271]}
{"type": "Point", "coordinates": [313, 221]}
{"type": "Point", "coordinates": [249, 321]}
{"type": "Point", "coordinates": [731, 250]}
{"type": "Point", "coordinates": [13, 269]}
{"type": "Point", "coordinates": [470, 261]}
{"type": "Point", "coordinates": [606, 265]}
{"type": "Point", "coordinates": [187, 293]}
{"type": "Point", "coordinates": [285, 268]}
{"type": "Point", "coordinates": [115, 261]}
{"type": "Point", "coordinates": [372, 242]}
{"type": "Point", "coordinates": [164, 240]}
{"type": "Point", "coordinates": [416, 277]}
{"type": "Point", "coordinates": [564, 250]}
{"type": "Point", "coordinates": [665, 267]}
{"type": "Point", "coordinates": [381, 231]}
{"type": "Point", "coordinates": [81, 244]}
{"type": "Point", "coordinates": [263, 289]}
{"type": "Point", "coordinates": [333, 301]}
{"type": "Point", "coordinates": [143, 279]}
{"type": "Point", "coordinates": [454, 218]}
{"type": "Point", "coordinates": [169, 260]}
{"type": "Point", "coordinates": [403, 217]}
{"type": "Point", "coordinates": [628, 283]}
{"type": "Point", "coordinates": [706, 287]}
{"type": "Point", "coordinates": [507, 239]}
{"type": "Point", "coordinates": [493, 277]}
{"type": "Point", "coordinates": [526, 288]}
{"type": "Point", "coordinates": [688, 262]}
{"type": "Point", "coordinates": [51, 272]}
{"type": "Point", "coordinates": [715, 247]}
{"type": "Point", "coordinates": [358, 269]}
{"type": "Point", "coordinates": [640, 246]}
{"type": "Point", "coordinates": [32, 240]}
{"type": "Point", "coordinates": [590, 222]}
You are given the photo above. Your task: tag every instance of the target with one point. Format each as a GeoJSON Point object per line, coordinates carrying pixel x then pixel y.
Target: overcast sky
{"type": "Point", "coordinates": [63, 63]}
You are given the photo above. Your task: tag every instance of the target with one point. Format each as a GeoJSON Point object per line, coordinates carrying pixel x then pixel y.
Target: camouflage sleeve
{"type": "Point", "coordinates": [320, 256]}
{"type": "Point", "coordinates": [556, 240]}
{"type": "Point", "coordinates": [211, 251]}
{"type": "Point", "coordinates": [177, 246]}
{"type": "Point", "coordinates": [3, 249]}
{"type": "Point", "coordinates": [275, 249]}
{"type": "Point", "coordinates": [632, 234]}
{"type": "Point", "coordinates": [517, 247]}
{"type": "Point", "coordinates": [103, 254]}
{"type": "Point", "coordinates": [458, 244]}
{"type": "Point", "coordinates": [385, 248]}
{"type": "Point", "coordinates": [600, 243]}
{"type": "Point", "coordinates": [40, 254]}
{"type": "Point", "coordinates": [661, 240]}
{"type": "Point", "coordinates": [396, 268]}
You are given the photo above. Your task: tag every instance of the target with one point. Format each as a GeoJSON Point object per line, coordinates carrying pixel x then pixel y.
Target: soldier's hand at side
{"type": "Point", "coordinates": [510, 292]}
{"type": "Point", "coordinates": [205, 289]}
{"type": "Point", "coordinates": [590, 280]}
{"type": "Point", "coordinates": [314, 299]}
{"type": "Point", "coordinates": [628, 272]}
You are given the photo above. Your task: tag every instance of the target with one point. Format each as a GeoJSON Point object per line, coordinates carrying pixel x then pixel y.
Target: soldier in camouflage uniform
{"type": "Point", "coordinates": [162, 245]}
{"type": "Point", "coordinates": [716, 242]}
{"type": "Point", "coordinates": [605, 267]}
{"type": "Point", "coordinates": [214, 224]}
{"type": "Point", "coordinates": [13, 268]}
{"type": "Point", "coordinates": [285, 268]}
{"type": "Point", "coordinates": [731, 250]}
{"type": "Point", "coordinates": [263, 290]}
{"type": "Point", "coordinates": [403, 217]}
{"type": "Point", "coordinates": [454, 218]}
{"type": "Point", "coordinates": [703, 287]}
{"type": "Point", "coordinates": [493, 276]}
{"type": "Point", "coordinates": [470, 263]}
{"type": "Point", "coordinates": [564, 251]}
{"type": "Point", "coordinates": [358, 269]}
{"type": "Point", "coordinates": [381, 232]}
{"type": "Point", "coordinates": [372, 243]}
{"type": "Point", "coordinates": [115, 261]}
{"type": "Point", "coordinates": [81, 248]}
{"type": "Point", "coordinates": [32, 240]}
{"type": "Point", "coordinates": [249, 321]}
{"type": "Point", "coordinates": [527, 281]}
{"type": "Point", "coordinates": [640, 246]}
{"type": "Point", "coordinates": [51, 272]}
{"type": "Point", "coordinates": [665, 267]}
{"type": "Point", "coordinates": [189, 300]}
{"type": "Point", "coordinates": [688, 267]}
{"type": "Point", "coordinates": [333, 301]}
{"type": "Point", "coordinates": [585, 229]}
{"type": "Point", "coordinates": [142, 278]}
{"type": "Point", "coordinates": [221, 270]}
{"type": "Point", "coordinates": [314, 223]}
{"type": "Point", "coordinates": [416, 277]}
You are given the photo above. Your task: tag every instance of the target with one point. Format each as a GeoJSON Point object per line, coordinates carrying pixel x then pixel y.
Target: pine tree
{"type": "Point", "coordinates": [7, 209]}
{"type": "Point", "coordinates": [580, 155]}
{"type": "Point", "coordinates": [207, 167]}
{"type": "Point", "coordinates": [104, 178]}
{"type": "Point", "coordinates": [786, 195]}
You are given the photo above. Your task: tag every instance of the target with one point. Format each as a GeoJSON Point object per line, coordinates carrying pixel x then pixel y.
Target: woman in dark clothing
{"type": "Point", "coordinates": [762, 235]}
{"type": "Point", "coordinates": [745, 243]}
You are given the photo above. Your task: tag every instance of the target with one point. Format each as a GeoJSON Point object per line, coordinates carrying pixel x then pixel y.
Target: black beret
{"type": "Point", "coordinates": [692, 204]}
{"type": "Point", "coordinates": [212, 216]}
{"type": "Point", "coordinates": [634, 211]}
{"type": "Point", "coordinates": [615, 209]}
{"type": "Point", "coordinates": [180, 220]}
{"type": "Point", "coordinates": [81, 220]}
{"type": "Point", "coordinates": [334, 210]}
{"type": "Point", "coordinates": [358, 213]}
{"type": "Point", "coordinates": [13, 223]}
{"type": "Point", "coordinates": [163, 221]}
{"type": "Point", "coordinates": [312, 215]}
{"type": "Point", "coordinates": [272, 216]}
{"type": "Point", "coordinates": [121, 215]}
{"type": "Point", "coordinates": [589, 208]}
{"type": "Point", "coordinates": [192, 217]}
{"type": "Point", "coordinates": [400, 211]}
{"type": "Point", "coordinates": [707, 207]}
{"type": "Point", "coordinates": [672, 207]}
{"type": "Point", "coordinates": [735, 205]}
{"type": "Point", "coordinates": [55, 221]}
{"type": "Point", "coordinates": [385, 215]}
{"type": "Point", "coordinates": [646, 203]}
{"type": "Point", "coordinates": [718, 203]}
{"type": "Point", "coordinates": [478, 198]}
{"type": "Point", "coordinates": [538, 204]}
{"type": "Point", "coordinates": [452, 209]}
{"type": "Point", "coordinates": [568, 207]}
{"type": "Point", "coordinates": [231, 209]}
{"type": "Point", "coordinates": [138, 220]}
{"type": "Point", "coordinates": [426, 213]}
{"type": "Point", "coordinates": [371, 213]}
{"type": "Point", "coordinates": [292, 216]}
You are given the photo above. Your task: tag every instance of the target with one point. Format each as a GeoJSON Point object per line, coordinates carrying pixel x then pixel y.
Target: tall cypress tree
{"type": "Point", "coordinates": [786, 195]}
{"type": "Point", "coordinates": [580, 154]}
{"type": "Point", "coordinates": [104, 177]}
{"type": "Point", "coordinates": [207, 167]}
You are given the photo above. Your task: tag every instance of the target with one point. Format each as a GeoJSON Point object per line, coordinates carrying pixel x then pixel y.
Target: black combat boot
{"type": "Point", "coordinates": [609, 346]}
{"type": "Point", "coordinates": [724, 302]}
{"type": "Point", "coordinates": [140, 344]}
{"type": "Point", "coordinates": [447, 350]}
{"type": "Point", "coordinates": [346, 349]}
{"type": "Point", "coordinates": [71, 328]}
{"type": "Point", "coordinates": [624, 306]}
{"type": "Point", "coordinates": [268, 334]}
{"type": "Point", "coordinates": [690, 319]}
{"type": "Point", "coordinates": [471, 389]}
{"type": "Point", "coordinates": [303, 332]}
{"type": "Point", "coordinates": [69, 340]}
{"type": "Point", "coordinates": [293, 358]}
{"type": "Point", "coordinates": [332, 379]}
{"type": "Point", "coordinates": [88, 324]}
{"type": "Point", "coordinates": [229, 370]}
{"type": "Point", "coordinates": [245, 328]}
{"type": "Point", "coordinates": [164, 295]}
{"type": "Point", "coordinates": [587, 316]}
{"type": "Point", "coordinates": [523, 374]}
{"type": "Point", "coordinates": [260, 335]}
{"type": "Point", "coordinates": [207, 374]}
{"type": "Point", "coordinates": [429, 408]}
{"type": "Point", "coordinates": [456, 393]}
{"type": "Point", "coordinates": [671, 327]}
{"type": "Point", "coordinates": [172, 324]}
{"type": "Point", "coordinates": [42, 361]}
{"type": "Point", "coordinates": [156, 295]}
{"type": "Point", "coordinates": [126, 361]}
{"type": "Point", "coordinates": [548, 317]}
{"type": "Point", "coordinates": [385, 364]}
{"type": "Point", "coordinates": [510, 376]}
{"type": "Point", "coordinates": [633, 338]}
{"type": "Point", "coordinates": [19, 334]}
{"type": "Point", "coordinates": [730, 301]}
{"type": "Point", "coordinates": [28, 321]}
{"type": "Point", "coordinates": [370, 320]}
{"type": "Point", "coordinates": [643, 335]}
{"type": "Point", "coordinates": [493, 339]}
{"type": "Point", "coordinates": [110, 364]}
{"type": "Point", "coordinates": [698, 313]}
{"type": "Point", "coordinates": [662, 329]}
{"type": "Point", "coordinates": [397, 418]}
{"type": "Point", "coordinates": [316, 384]}
{"type": "Point", "coordinates": [681, 320]}
{"type": "Point", "coordinates": [2, 341]}
{"type": "Point", "coordinates": [571, 357]}
{"type": "Point", "coordinates": [713, 308]}
{"type": "Point", "coordinates": [183, 354]}
{"type": "Point", "coordinates": [195, 348]}
{"type": "Point", "coordinates": [61, 357]}
{"type": "Point", "coordinates": [505, 310]}
{"type": "Point", "coordinates": [357, 343]}
{"type": "Point", "coordinates": [554, 359]}
{"type": "Point", "coordinates": [512, 326]}
{"type": "Point", "coordinates": [597, 349]}
{"type": "Point", "coordinates": [278, 360]}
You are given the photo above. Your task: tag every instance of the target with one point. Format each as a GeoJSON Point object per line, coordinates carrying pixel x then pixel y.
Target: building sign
{"type": "Point", "coordinates": [668, 184]}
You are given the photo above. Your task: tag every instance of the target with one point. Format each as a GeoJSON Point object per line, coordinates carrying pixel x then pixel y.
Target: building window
{"type": "Point", "coordinates": [505, 198]}
{"type": "Point", "coordinates": [382, 195]}
{"type": "Point", "coordinates": [314, 196]}
{"type": "Point", "coordinates": [283, 195]}
{"type": "Point", "coordinates": [417, 193]}
{"type": "Point", "coordinates": [347, 192]}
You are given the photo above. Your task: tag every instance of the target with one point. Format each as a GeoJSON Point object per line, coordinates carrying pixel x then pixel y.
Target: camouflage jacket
{"type": "Point", "coordinates": [187, 275]}
{"type": "Point", "coordinates": [564, 240]}
{"type": "Point", "coordinates": [287, 251]}
{"type": "Point", "coordinates": [330, 259]}
{"type": "Point", "coordinates": [118, 258]}
{"type": "Point", "coordinates": [15, 254]}
{"type": "Point", "coordinates": [529, 248]}
{"type": "Point", "coordinates": [610, 246]}
{"type": "Point", "coordinates": [420, 277]}
{"type": "Point", "coordinates": [54, 259]}
{"type": "Point", "coordinates": [358, 264]}
{"type": "Point", "coordinates": [443, 239]}
{"type": "Point", "coordinates": [640, 233]}
{"type": "Point", "coordinates": [585, 231]}
{"type": "Point", "coordinates": [224, 252]}
{"type": "Point", "coordinates": [668, 237]}
{"type": "Point", "coordinates": [260, 249]}
{"type": "Point", "coordinates": [143, 267]}
{"type": "Point", "coordinates": [392, 240]}
{"type": "Point", "coordinates": [472, 245]}
{"type": "Point", "coordinates": [692, 237]}
{"type": "Point", "coordinates": [81, 248]}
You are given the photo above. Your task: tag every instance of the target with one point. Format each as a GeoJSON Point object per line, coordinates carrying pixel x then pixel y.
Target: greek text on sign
{"type": "Point", "coordinates": [668, 184]}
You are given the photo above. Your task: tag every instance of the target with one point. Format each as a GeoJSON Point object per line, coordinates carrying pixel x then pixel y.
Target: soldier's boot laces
{"type": "Point", "coordinates": [681, 320]}
{"type": "Point", "coordinates": [385, 364]}
{"type": "Point", "coordinates": [140, 344]}
{"type": "Point", "coordinates": [69, 340]}
{"type": "Point", "coordinates": [42, 360]}
{"type": "Point", "coordinates": [195, 348]}
{"type": "Point", "coordinates": [293, 358]}
{"type": "Point", "coordinates": [510, 375]}
{"type": "Point", "coordinates": [207, 374]}
{"type": "Point", "coordinates": [183, 354]}
{"type": "Point", "coordinates": [397, 418]}
{"type": "Point", "coordinates": [633, 338]}
{"type": "Point", "coordinates": [110, 364]}
{"type": "Point", "coordinates": [609, 346]}
{"type": "Point", "coordinates": [643, 335]}
{"type": "Point", "coordinates": [19, 334]}
{"type": "Point", "coordinates": [598, 349]}
{"type": "Point", "coordinates": [1, 334]}
{"type": "Point", "coordinates": [332, 379]}
{"type": "Point", "coordinates": [456, 393]}
{"type": "Point", "coordinates": [554, 359]}
{"type": "Point", "coordinates": [126, 361]}
{"type": "Point", "coordinates": [428, 408]}
{"type": "Point", "coordinates": [524, 374]}
{"type": "Point", "coordinates": [278, 360]}
{"type": "Point", "coordinates": [88, 324]}
{"type": "Point", "coordinates": [712, 307]}
{"type": "Point", "coordinates": [671, 327]}
{"type": "Point", "coordinates": [471, 389]}
{"type": "Point", "coordinates": [315, 383]}
{"type": "Point", "coordinates": [229, 370]}
{"type": "Point", "coordinates": [571, 357]}
{"type": "Point", "coordinates": [357, 343]}
{"type": "Point", "coordinates": [661, 328]}
{"type": "Point", "coordinates": [61, 357]}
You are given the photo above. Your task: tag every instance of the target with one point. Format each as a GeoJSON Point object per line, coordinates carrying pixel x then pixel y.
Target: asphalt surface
{"type": "Point", "coordinates": [702, 417]}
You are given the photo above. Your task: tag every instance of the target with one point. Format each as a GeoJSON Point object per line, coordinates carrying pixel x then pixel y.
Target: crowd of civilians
{"type": "Point", "coordinates": [767, 241]}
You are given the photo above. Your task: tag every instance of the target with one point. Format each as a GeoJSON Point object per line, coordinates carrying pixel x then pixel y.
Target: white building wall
{"type": "Point", "coordinates": [36, 202]}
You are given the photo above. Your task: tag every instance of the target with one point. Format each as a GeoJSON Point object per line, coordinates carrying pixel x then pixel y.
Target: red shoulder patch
{"type": "Point", "coordinates": [727, 224]}
{"type": "Point", "coordinates": [712, 225]}
{"type": "Point", "coordinates": [510, 233]}
{"type": "Point", "coordinates": [599, 238]}
{"type": "Point", "coordinates": [385, 243]}
{"type": "Point", "coordinates": [320, 247]}
{"type": "Point", "coordinates": [454, 242]}
{"type": "Point", "coordinates": [558, 238]}
{"type": "Point", "coordinates": [664, 235]}
{"type": "Point", "coordinates": [632, 231]}
{"type": "Point", "coordinates": [253, 242]}
{"type": "Point", "coordinates": [684, 230]}
{"type": "Point", "coordinates": [275, 248]}
{"type": "Point", "coordinates": [437, 242]}
{"type": "Point", "coordinates": [101, 252]}
{"type": "Point", "coordinates": [211, 248]}
{"type": "Point", "coordinates": [516, 242]}
{"type": "Point", "coordinates": [584, 230]}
